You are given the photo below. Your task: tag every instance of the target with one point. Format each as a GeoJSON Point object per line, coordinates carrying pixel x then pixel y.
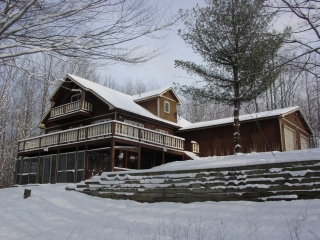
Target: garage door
{"type": "Point", "coordinates": [304, 142]}
{"type": "Point", "coordinates": [289, 138]}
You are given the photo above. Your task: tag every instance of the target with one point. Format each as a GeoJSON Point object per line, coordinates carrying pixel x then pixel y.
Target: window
{"type": "Point", "coordinates": [195, 147]}
{"type": "Point", "coordinates": [75, 98]}
{"type": "Point", "coordinates": [133, 123]}
{"type": "Point", "coordinates": [101, 120]}
{"type": "Point", "coordinates": [162, 131]}
{"type": "Point", "coordinates": [75, 126]}
{"type": "Point", "coordinates": [167, 107]}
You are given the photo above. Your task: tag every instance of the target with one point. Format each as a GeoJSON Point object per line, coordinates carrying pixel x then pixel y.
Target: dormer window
{"type": "Point", "coordinates": [76, 97]}
{"type": "Point", "coordinates": [166, 107]}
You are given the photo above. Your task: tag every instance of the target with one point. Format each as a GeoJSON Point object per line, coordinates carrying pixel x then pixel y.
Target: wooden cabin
{"type": "Point", "coordinates": [277, 130]}
{"type": "Point", "coordinates": [90, 128]}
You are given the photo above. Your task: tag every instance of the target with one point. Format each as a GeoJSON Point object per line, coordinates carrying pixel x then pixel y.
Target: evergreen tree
{"type": "Point", "coordinates": [234, 39]}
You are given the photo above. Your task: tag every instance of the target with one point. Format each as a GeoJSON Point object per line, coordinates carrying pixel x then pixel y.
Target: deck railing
{"type": "Point", "coordinates": [71, 107]}
{"type": "Point", "coordinates": [101, 130]}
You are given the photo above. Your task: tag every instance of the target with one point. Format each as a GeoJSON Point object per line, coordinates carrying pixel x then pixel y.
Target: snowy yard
{"type": "Point", "coordinates": [54, 213]}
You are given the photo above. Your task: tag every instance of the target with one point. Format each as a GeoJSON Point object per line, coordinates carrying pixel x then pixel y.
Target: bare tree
{"type": "Point", "coordinates": [99, 31]}
{"type": "Point", "coordinates": [305, 38]}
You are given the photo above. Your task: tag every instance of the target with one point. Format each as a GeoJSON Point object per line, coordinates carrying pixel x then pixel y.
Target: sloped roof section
{"type": "Point", "coordinates": [116, 99]}
{"type": "Point", "coordinates": [242, 118]}
{"type": "Point", "coordinates": [154, 93]}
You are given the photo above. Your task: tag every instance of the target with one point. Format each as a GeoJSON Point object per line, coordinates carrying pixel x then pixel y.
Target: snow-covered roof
{"type": "Point", "coordinates": [242, 118]}
{"type": "Point", "coordinates": [154, 93]}
{"type": "Point", "coordinates": [183, 122]}
{"type": "Point", "coordinates": [115, 99]}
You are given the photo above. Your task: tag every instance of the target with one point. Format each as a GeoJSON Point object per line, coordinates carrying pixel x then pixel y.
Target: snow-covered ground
{"type": "Point", "coordinates": [54, 213]}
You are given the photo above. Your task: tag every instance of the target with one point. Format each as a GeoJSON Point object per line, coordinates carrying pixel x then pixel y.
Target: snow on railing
{"type": "Point", "coordinates": [71, 107]}
{"type": "Point", "coordinates": [104, 129]}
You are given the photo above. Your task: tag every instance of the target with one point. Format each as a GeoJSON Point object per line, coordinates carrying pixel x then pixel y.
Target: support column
{"type": "Point", "coordinates": [126, 160]}
{"type": "Point", "coordinates": [57, 165]}
{"type": "Point", "coordinates": [139, 158]}
{"type": "Point", "coordinates": [112, 160]}
{"type": "Point", "coordinates": [85, 172]}
{"type": "Point", "coordinates": [163, 153]}
{"type": "Point", "coordinates": [76, 165]}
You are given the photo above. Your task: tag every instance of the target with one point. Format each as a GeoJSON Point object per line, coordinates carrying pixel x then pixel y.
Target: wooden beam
{"type": "Point", "coordinates": [112, 158]}
{"type": "Point", "coordinates": [163, 153]}
{"type": "Point", "coordinates": [139, 158]}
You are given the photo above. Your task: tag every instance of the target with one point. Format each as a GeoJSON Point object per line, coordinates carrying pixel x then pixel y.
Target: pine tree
{"type": "Point", "coordinates": [234, 39]}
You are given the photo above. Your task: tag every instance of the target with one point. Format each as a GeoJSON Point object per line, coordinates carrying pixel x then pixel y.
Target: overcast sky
{"type": "Point", "coordinates": [161, 69]}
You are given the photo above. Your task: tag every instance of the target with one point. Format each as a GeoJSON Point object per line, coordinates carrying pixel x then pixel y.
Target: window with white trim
{"type": "Point", "coordinates": [195, 147]}
{"type": "Point", "coordinates": [133, 123]}
{"type": "Point", "coordinates": [162, 131]}
{"type": "Point", "coordinates": [167, 107]}
{"type": "Point", "coordinates": [101, 120]}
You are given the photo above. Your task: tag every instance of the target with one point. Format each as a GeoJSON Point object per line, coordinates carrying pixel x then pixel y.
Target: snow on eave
{"type": "Point", "coordinates": [153, 94]}
{"type": "Point", "coordinates": [301, 114]}
{"type": "Point", "coordinates": [120, 100]}
{"type": "Point", "coordinates": [242, 118]}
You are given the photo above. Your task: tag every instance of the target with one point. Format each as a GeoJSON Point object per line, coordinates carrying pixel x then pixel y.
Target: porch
{"type": "Point", "coordinates": [77, 154]}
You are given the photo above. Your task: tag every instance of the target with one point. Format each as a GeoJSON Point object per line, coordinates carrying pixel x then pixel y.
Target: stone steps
{"type": "Point", "coordinates": [264, 182]}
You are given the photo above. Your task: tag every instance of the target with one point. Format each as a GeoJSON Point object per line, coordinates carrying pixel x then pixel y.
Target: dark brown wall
{"type": "Point", "coordinates": [219, 140]}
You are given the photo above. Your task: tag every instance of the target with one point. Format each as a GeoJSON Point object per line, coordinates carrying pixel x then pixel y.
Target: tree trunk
{"type": "Point", "coordinates": [236, 127]}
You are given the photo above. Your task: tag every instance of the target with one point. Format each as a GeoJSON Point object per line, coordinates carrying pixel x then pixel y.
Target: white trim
{"type": "Point", "coordinates": [296, 126]}
{"type": "Point", "coordinates": [168, 104]}
{"type": "Point", "coordinates": [133, 123]}
{"type": "Point", "coordinates": [162, 131]}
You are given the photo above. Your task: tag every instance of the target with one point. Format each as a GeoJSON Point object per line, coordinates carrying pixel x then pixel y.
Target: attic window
{"type": "Point", "coordinates": [167, 107]}
{"type": "Point", "coordinates": [75, 98]}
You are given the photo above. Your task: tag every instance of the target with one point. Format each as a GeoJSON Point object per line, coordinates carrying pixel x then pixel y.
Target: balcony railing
{"type": "Point", "coordinates": [71, 107]}
{"type": "Point", "coordinates": [105, 129]}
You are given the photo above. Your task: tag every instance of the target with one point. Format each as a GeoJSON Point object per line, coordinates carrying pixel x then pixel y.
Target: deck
{"type": "Point", "coordinates": [102, 130]}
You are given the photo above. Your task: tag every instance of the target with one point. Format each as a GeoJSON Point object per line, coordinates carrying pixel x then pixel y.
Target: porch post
{"type": "Point", "coordinates": [85, 172]}
{"type": "Point", "coordinates": [112, 155]}
{"type": "Point", "coordinates": [126, 160]}
{"type": "Point", "coordinates": [139, 157]}
{"type": "Point", "coordinates": [57, 165]}
{"type": "Point", "coordinates": [163, 153]}
{"type": "Point", "coordinates": [76, 165]}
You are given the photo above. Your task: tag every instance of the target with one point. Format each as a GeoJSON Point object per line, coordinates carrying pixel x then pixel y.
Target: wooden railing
{"type": "Point", "coordinates": [71, 107]}
{"type": "Point", "coordinates": [105, 129]}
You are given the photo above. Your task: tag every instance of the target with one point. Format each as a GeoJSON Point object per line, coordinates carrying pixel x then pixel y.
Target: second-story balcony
{"type": "Point", "coordinates": [103, 130]}
{"type": "Point", "coordinates": [69, 108]}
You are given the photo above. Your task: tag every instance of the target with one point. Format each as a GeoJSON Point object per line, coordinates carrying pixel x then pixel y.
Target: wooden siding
{"type": "Point", "coordinates": [150, 105]}
{"type": "Point", "coordinates": [296, 123]}
{"type": "Point", "coordinates": [172, 115]}
{"type": "Point", "coordinates": [219, 140]}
